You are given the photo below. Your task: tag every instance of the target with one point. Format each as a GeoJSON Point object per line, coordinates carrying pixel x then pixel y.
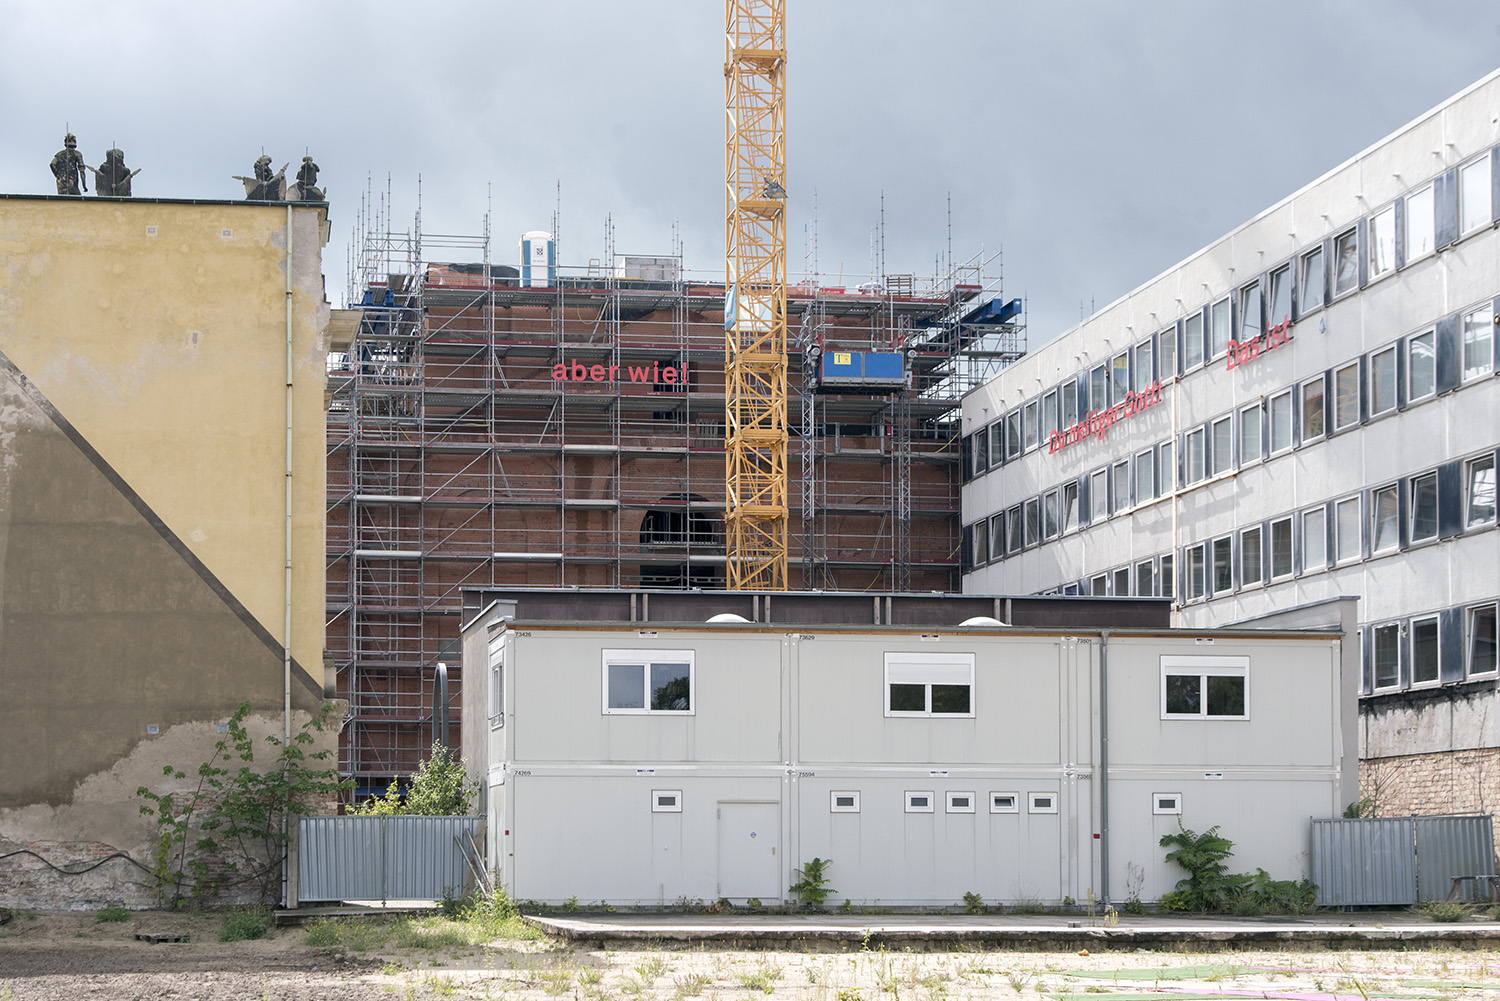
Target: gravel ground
{"type": "Point", "coordinates": [75, 956]}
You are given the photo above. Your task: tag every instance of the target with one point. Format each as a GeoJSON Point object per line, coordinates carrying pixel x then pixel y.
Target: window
{"type": "Point", "coordinates": [846, 801]}
{"type": "Point", "coordinates": [648, 681]}
{"type": "Point", "coordinates": [1250, 557]}
{"type": "Point", "coordinates": [1029, 426]}
{"type": "Point", "coordinates": [1345, 262]}
{"type": "Point", "coordinates": [1312, 409]}
{"type": "Point", "coordinates": [1099, 495]}
{"type": "Point", "coordinates": [1193, 457]}
{"type": "Point", "coordinates": [1219, 331]}
{"type": "Point", "coordinates": [997, 536]}
{"type": "Point", "coordinates": [1069, 506]}
{"type": "Point", "coordinates": [1474, 195]}
{"type": "Point", "coordinates": [497, 686]}
{"type": "Point", "coordinates": [666, 800]}
{"type": "Point", "coordinates": [1099, 388]}
{"type": "Point", "coordinates": [1141, 372]}
{"type": "Point", "coordinates": [1049, 416]}
{"type": "Point", "coordinates": [1421, 366]}
{"type": "Point", "coordinates": [1192, 342]}
{"type": "Point", "coordinates": [1119, 378]}
{"type": "Point", "coordinates": [1384, 512]}
{"type": "Point", "coordinates": [1013, 434]}
{"type": "Point", "coordinates": [1145, 476]}
{"type": "Point", "coordinates": [1382, 249]}
{"type": "Point", "coordinates": [1145, 579]}
{"type": "Point", "coordinates": [1168, 577]}
{"type": "Point", "coordinates": [1166, 803]}
{"type": "Point", "coordinates": [1314, 540]}
{"type": "Point", "coordinates": [1479, 491]}
{"type": "Point", "coordinates": [1346, 396]}
{"type": "Point", "coordinates": [1070, 404]}
{"type": "Point", "coordinates": [1120, 579]}
{"type": "Point", "coordinates": [918, 802]}
{"type": "Point", "coordinates": [1033, 514]}
{"type": "Point", "coordinates": [1099, 586]}
{"type": "Point", "coordinates": [960, 802]}
{"type": "Point", "coordinates": [1043, 802]}
{"type": "Point", "coordinates": [1346, 529]}
{"type": "Point", "coordinates": [1419, 223]}
{"type": "Point", "coordinates": [1386, 641]}
{"type": "Point", "coordinates": [1049, 515]}
{"type": "Point", "coordinates": [1383, 381]}
{"type": "Point", "coordinates": [1005, 802]}
{"type": "Point", "coordinates": [1166, 352]}
{"type": "Point", "coordinates": [1223, 565]}
{"type": "Point", "coordinates": [1194, 582]}
{"type": "Point", "coordinates": [997, 444]}
{"type": "Point", "coordinates": [1221, 445]}
{"type": "Point", "coordinates": [1205, 687]}
{"type": "Point", "coordinates": [1250, 434]}
{"type": "Point", "coordinates": [1166, 465]}
{"type": "Point", "coordinates": [979, 536]}
{"type": "Point", "coordinates": [1477, 351]}
{"type": "Point", "coordinates": [1481, 637]}
{"type": "Point", "coordinates": [929, 684]}
{"type": "Point", "coordinates": [1121, 486]}
{"type": "Point", "coordinates": [1424, 650]}
{"type": "Point", "coordinates": [1424, 507]}
{"type": "Point", "coordinates": [1312, 280]}
{"type": "Point", "coordinates": [1014, 539]}
{"type": "Point", "coordinates": [1280, 410]}
{"type": "Point", "coordinates": [1281, 548]}
{"type": "Point", "coordinates": [1279, 304]}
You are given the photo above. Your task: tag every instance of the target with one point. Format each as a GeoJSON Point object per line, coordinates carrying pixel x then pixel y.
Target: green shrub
{"type": "Point", "coordinates": [1446, 910]}
{"type": "Point", "coordinates": [243, 924]}
{"type": "Point", "coordinates": [439, 788]}
{"type": "Point", "coordinates": [1210, 886]}
{"type": "Point", "coordinates": [322, 934]}
{"type": "Point", "coordinates": [973, 903]}
{"type": "Point", "coordinates": [812, 888]}
{"type": "Point", "coordinates": [113, 914]}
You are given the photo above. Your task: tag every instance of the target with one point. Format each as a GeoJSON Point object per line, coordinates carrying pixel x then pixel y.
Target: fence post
{"type": "Point", "coordinates": [383, 860]}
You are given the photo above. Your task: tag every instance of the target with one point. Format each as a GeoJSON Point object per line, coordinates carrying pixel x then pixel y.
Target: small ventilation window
{"type": "Point", "coordinates": [1004, 802]}
{"type": "Point", "coordinates": [918, 802]}
{"type": "Point", "coordinates": [666, 801]}
{"type": "Point", "coordinates": [1043, 802]}
{"type": "Point", "coordinates": [1166, 802]}
{"type": "Point", "coordinates": [960, 802]}
{"type": "Point", "coordinates": [843, 801]}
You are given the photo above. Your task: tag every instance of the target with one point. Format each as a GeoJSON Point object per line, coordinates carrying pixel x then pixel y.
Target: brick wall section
{"type": "Point", "coordinates": [1448, 782]}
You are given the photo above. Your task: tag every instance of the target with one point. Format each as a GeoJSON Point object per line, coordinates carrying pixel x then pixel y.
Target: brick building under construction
{"type": "Point", "coordinates": [538, 426]}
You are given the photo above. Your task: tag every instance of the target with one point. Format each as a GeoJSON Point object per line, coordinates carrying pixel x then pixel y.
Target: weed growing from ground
{"type": "Point", "coordinates": [113, 914]}
{"type": "Point", "coordinates": [245, 923]}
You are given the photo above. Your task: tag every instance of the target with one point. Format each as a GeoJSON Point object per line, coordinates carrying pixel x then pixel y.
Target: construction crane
{"type": "Point", "coordinates": [755, 362]}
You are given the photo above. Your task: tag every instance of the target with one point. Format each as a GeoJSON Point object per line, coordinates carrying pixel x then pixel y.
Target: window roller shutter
{"type": "Point", "coordinates": [1445, 202]}
{"type": "Point", "coordinates": [967, 547]}
{"type": "Point", "coordinates": [1450, 498]}
{"type": "Point", "coordinates": [1366, 674]}
{"type": "Point", "coordinates": [1295, 279]}
{"type": "Point", "coordinates": [1362, 231]}
{"type": "Point", "coordinates": [1403, 492]}
{"type": "Point", "coordinates": [1327, 270]}
{"type": "Point", "coordinates": [1449, 351]}
{"type": "Point", "coordinates": [1494, 335]}
{"type": "Point", "coordinates": [1364, 397]}
{"type": "Point", "coordinates": [1451, 644]}
{"type": "Point", "coordinates": [1400, 218]}
{"type": "Point", "coordinates": [1328, 533]}
{"type": "Point", "coordinates": [1085, 504]}
{"type": "Point", "coordinates": [1495, 184]}
{"type": "Point", "coordinates": [1297, 567]}
{"type": "Point", "coordinates": [1401, 350]}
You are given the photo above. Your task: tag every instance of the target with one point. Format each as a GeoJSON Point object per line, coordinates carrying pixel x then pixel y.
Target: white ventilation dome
{"type": "Point", "coordinates": [982, 620]}
{"type": "Point", "coordinates": [728, 617]}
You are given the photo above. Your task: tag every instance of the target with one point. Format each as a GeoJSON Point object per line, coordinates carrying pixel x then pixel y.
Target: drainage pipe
{"type": "Point", "coordinates": [286, 611]}
{"type": "Point", "coordinates": [1104, 765]}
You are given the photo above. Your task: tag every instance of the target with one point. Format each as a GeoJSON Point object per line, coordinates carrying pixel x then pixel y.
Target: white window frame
{"type": "Point", "coordinates": [1272, 403]}
{"type": "Point", "coordinates": [1394, 489]}
{"type": "Point", "coordinates": [833, 801]}
{"type": "Point", "coordinates": [1319, 515]}
{"type": "Point", "coordinates": [659, 795]}
{"type": "Point", "coordinates": [1395, 632]}
{"type": "Point", "coordinates": [1437, 651]}
{"type": "Point", "coordinates": [1196, 590]}
{"type": "Point", "coordinates": [1223, 544]}
{"type": "Point", "coordinates": [953, 795]}
{"type": "Point", "coordinates": [1119, 487]}
{"type": "Point", "coordinates": [1141, 364]}
{"type": "Point", "coordinates": [1250, 419]}
{"type": "Point", "coordinates": [1098, 496]}
{"type": "Point", "coordinates": [1412, 396]}
{"type": "Point", "coordinates": [1291, 563]}
{"type": "Point", "coordinates": [1260, 556]}
{"type": "Point", "coordinates": [1221, 464]}
{"type": "Point", "coordinates": [1346, 242]}
{"type": "Point", "coordinates": [1160, 807]}
{"type": "Point", "coordinates": [1166, 357]}
{"type": "Point", "coordinates": [998, 802]}
{"type": "Point", "coordinates": [1371, 366]}
{"type": "Point", "coordinates": [932, 669]}
{"type": "Point", "coordinates": [1031, 520]}
{"type": "Point", "coordinates": [1218, 346]}
{"type": "Point", "coordinates": [1483, 320]}
{"type": "Point", "coordinates": [1476, 464]}
{"type": "Point", "coordinates": [1336, 415]}
{"type": "Point", "coordinates": [497, 684]}
{"type": "Point", "coordinates": [1034, 802]}
{"type": "Point", "coordinates": [646, 657]}
{"type": "Point", "coordinates": [1205, 668]}
{"type": "Point", "coordinates": [1471, 639]}
{"type": "Point", "coordinates": [1166, 576]}
{"type": "Point", "coordinates": [1411, 509]}
{"type": "Point", "coordinates": [914, 794]}
{"type": "Point", "coordinates": [1119, 378]}
{"type": "Point", "coordinates": [1149, 590]}
{"type": "Point", "coordinates": [1416, 216]}
{"type": "Point", "coordinates": [1068, 511]}
{"type": "Point", "coordinates": [1050, 412]}
{"type": "Point", "coordinates": [1116, 576]}
{"type": "Point", "coordinates": [1308, 281]}
{"type": "Point", "coordinates": [1318, 382]}
{"type": "Point", "coordinates": [1030, 425]}
{"type": "Point", "coordinates": [997, 536]}
{"type": "Point", "coordinates": [1192, 360]}
{"type": "Point", "coordinates": [1381, 231]}
{"type": "Point", "coordinates": [1145, 465]}
{"type": "Point", "coordinates": [1195, 451]}
{"type": "Point", "coordinates": [1282, 277]}
{"type": "Point", "coordinates": [1477, 220]}
{"type": "Point", "coordinates": [1051, 518]}
{"type": "Point", "coordinates": [1339, 528]}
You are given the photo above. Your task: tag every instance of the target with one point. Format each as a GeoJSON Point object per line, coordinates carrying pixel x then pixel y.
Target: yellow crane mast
{"type": "Point", "coordinates": [755, 364]}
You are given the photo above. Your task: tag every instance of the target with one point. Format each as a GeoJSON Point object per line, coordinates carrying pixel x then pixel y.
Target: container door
{"type": "Point", "coordinates": [749, 860]}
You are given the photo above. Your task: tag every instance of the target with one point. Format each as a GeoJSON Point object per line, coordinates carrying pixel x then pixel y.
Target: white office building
{"type": "Point", "coordinates": [1306, 408]}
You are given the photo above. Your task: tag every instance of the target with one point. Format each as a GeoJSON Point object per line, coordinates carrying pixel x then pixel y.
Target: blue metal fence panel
{"type": "Point", "coordinates": [1369, 862]}
{"type": "Point", "coordinates": [382, 858]}
{"type": "Point", "coordinates": [1454, 846]}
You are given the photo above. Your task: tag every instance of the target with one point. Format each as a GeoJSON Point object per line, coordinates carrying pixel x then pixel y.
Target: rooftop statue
{"type": "Point", "coordinates": [112, 177]}
{"type": "Point", "coordinates": [68, 168]}
{"type": "Point", "coordinates": [307, 178]}
{"type": "Point", "coordinates": [265, 186]}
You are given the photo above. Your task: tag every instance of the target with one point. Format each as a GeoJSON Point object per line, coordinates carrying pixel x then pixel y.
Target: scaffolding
{"type": "Point", "coordinates": [488, 433]}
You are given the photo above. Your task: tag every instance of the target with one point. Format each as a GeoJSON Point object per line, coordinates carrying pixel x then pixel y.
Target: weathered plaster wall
{"type": "Point", "coordinates": [142, 478]}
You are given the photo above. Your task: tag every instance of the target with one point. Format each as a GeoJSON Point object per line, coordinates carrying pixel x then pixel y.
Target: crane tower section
{"type": "Point", "coordinates": [755, 351]}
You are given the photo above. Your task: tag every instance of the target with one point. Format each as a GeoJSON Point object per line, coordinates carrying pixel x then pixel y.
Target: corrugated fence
{"type": "Point", "coordinates": [382, 858]}
{"type": "Point", "coordinates": [1399, 861]}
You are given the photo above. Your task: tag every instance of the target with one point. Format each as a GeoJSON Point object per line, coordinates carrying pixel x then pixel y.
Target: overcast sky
{"type": "Point", "coordinates": [1097, 142]}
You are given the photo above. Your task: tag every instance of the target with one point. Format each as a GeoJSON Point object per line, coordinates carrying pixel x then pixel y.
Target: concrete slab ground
{"type": "Point", "coordinates": [1363, 930]}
